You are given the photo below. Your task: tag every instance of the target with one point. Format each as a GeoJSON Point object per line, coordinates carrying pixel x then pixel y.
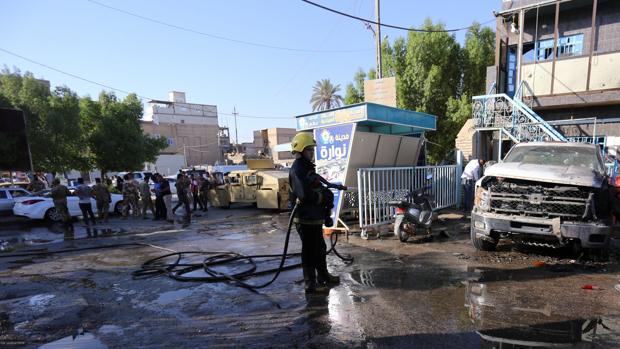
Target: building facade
{"type": "Point", "coordinates": [191, 129]}
{"type": "Point", "coordinates": [556, 77]}
{"type": "Point", "coordinates": [266, 140]}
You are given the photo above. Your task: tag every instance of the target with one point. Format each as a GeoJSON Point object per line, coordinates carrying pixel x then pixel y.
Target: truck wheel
{"type": "Point", "coordinates": [481, 245]}
{"type": "Point", "coordinates": [399, 229]}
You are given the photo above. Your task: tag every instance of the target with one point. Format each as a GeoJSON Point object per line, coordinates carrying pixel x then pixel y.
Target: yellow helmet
{"type": "Point", "coordinates": [301, 141]}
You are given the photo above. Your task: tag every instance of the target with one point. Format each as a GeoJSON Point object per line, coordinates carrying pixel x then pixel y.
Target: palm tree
{"type": "Point", "coordinates": [324, 95]}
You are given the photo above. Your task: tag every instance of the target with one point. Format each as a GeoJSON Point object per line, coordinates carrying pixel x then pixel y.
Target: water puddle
{"type": "Point", "coordinates": [233, 236]}
{"type": "Point", "coordinates": [39, 236]}
{"type": "Point", "coordinates": [83, 340]}
{"type": "Point", "coordinates": [173, 296]}
{"type": "Point", "coordinates": [405, 278]}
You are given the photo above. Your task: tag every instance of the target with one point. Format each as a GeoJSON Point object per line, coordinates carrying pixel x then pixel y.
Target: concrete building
{"type": "Point", "coordinates": [192, 130]}
{"type": "Point", "coordinates": [556, 77]}
{"type": "Point", "coordinates": [265, 141]}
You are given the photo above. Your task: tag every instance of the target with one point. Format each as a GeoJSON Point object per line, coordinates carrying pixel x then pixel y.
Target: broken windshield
{"type": "Point", "coordinates": [557, 156]}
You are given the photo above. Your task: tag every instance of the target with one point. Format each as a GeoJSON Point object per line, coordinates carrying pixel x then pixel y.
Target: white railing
{"type": "Point", "coordinates": [377, 186]}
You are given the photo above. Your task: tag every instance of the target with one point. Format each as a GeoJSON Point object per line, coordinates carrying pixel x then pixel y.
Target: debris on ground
{"type": "Point", "coordinates": [590, 287]}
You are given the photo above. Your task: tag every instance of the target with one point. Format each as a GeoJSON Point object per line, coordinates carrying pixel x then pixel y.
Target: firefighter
{"type": "Point", "coordinates": [309, 194]}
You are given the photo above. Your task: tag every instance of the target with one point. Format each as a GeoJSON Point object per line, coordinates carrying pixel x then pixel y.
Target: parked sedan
{"type": "Point", "coordinates": [8, 196]}
{"type": "Point", "coordinates": [41, 206]}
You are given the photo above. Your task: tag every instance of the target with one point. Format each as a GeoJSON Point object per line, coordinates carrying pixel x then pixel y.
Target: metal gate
{"type": "Point", "coordinates": [377, 186]}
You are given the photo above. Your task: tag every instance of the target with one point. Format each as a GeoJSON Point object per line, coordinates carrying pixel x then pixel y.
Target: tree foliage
{"type": "Point", "coordinates": [435, 75]}
{"type": "Point", "coordinates": [325, 95]}
{"type": "Point", "coordinates": [68, 132]}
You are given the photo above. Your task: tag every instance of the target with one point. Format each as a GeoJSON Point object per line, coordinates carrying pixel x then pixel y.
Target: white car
{"type": "Point", "coordinates": [41, 206]}
{"type": "Point", "coordinates": [8, 196]}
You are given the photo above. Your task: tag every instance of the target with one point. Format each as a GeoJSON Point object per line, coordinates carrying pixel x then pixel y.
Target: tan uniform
{"type": "Point", "coordinates": [59, 196]}
{"type": "Point", "coordinates": [147, 201]}
{"type": "Point", "coordinates": [103, 199]}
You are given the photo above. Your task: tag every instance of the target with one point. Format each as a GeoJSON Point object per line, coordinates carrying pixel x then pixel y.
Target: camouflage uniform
{"type": "Point", "coordinates": [37, 186]}
{"type": "Point", "coordinates": [182, 186]}
{"type": "Point", "coordinates": [147, 202]}
{"type": "Point", "coordinates": [130, 198]}
{"type": "Point", "coordinates": [103, 199]}
{"type": "Point", "coordinates": [59, 196]}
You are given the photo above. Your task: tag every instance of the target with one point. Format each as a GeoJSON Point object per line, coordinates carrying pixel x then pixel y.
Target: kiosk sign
{"type": "Point", "coordinates": [333, 147]}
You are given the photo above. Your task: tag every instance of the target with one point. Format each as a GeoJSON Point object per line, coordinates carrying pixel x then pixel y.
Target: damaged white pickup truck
{"type": "Point", "coordinates": [545, 194]}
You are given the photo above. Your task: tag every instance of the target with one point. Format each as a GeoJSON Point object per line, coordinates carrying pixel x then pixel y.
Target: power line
{"type": "Point", "coordinates": [389, 25]}
{"type": "Point", "coordinates": [144, 98]}
{"type": "Point", "coordinates": [219, 37]}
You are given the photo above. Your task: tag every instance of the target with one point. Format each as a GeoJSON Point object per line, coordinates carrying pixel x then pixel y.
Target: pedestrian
{"type": "Point", "coordinates": [59, 195]}
{"type": "Point", "coordinates": [195, 188]}
{"type": "Point", "coordinates": [84, 194]}
{"type": "Point", "coordinates": [204, 187]}
{"type": "Point", "coordinates": [471, 174]}
{"type": "Point", "coordinates": [160, 207]}
{"type": "Point", "coordinates": [306, 193]}
{"type": "Point", "coordinates": [134, 195]}
{"type": "Point", "coordinates": [102, 199]}
{"type": "Point", "coordinates": [164, 187]}
{"type": "Point", "coordinates": [145, 194]}
{"type": "Point", "coordinates": [182, 186]}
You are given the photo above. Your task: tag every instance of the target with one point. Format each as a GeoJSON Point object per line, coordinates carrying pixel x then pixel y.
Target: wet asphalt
{"type": "Point", "coordinates": [428, 293]}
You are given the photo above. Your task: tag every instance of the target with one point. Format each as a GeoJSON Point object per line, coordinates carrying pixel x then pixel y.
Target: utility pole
{"type": "Point", "coordinates": [236, 133]}
{"type": "Point", "coordinates": [378, 40]}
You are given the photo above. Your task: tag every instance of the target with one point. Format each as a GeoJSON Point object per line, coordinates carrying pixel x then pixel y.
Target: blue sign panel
{"type": "Point", "coordinates": [333, 148]}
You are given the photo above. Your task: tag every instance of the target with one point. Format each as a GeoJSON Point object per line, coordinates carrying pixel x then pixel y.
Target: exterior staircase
{"type": "Point", "coordinates": [512, 117]}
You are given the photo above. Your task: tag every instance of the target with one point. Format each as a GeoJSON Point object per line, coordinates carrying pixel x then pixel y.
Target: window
{"type": "Point", "coordinates": [2, 194]}
{"type": "Point", "coordinates": [568, 46]}
{"type": "Point", "coordinates": [18, 193]}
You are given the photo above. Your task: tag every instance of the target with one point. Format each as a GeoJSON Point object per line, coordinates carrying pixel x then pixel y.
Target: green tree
{"type": "Point", "coordinates": [355, 93]}
{"type": "Point", "coordinates": [117, 141]}
{"type": "Point", "coordinates": [479, 53]}
{"type": "Point", "coordinates": [324, 95]}
{"type": "Point", "coordinates": [52, 121]}
{"type": "Point", "coordinates": [435, 75]}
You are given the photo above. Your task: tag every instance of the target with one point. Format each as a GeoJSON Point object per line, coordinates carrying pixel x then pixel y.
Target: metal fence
{"type": "Point", "coordinates": [377, 186]}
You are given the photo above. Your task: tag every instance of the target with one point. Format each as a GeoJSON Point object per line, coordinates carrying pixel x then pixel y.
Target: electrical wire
{"type": "Point", "coordinates": [219, 37]}
{"type": "Point", "coordinates": [390, 25]}
{"type": "Point", "coordinates": [143, 98]}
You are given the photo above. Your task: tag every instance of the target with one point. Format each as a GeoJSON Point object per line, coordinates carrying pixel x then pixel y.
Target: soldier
{"type": "Point", "coordinates": [36, 185]}
{"type": "Point", "coordinates": [103, 199]}
{"type": "Point", "coordinates": [182, 186]}
{"type": "Point", "coordinates": [145, 193]}
{"type": "Point", "coordinates": [205, 185]}
{"type": "Point", "coordinates": [130, 196]}
{"type": "Point", "coordinates": [59, 196]}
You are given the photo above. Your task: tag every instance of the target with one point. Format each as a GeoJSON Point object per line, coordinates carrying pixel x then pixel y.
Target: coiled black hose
{"type": "Point", "coordinates": [178, 270]}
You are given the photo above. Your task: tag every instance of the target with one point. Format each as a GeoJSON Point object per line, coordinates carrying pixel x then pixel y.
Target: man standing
{"type": "Point", "coordinates": [36, 185]}
{"type": "Point", "coordinates": [145, 194]}
{"type": "Point", "coordinates": [59, 196]}
{"type": "Point", "coordinates": [306, 192]}
{"type": "Point", "coordinates": [195, 188]}
{"type": "Point", "coordinates": [84, 194]}
{"type": "Point", "coordinates": [164, 189]}
{"type": "Point", "coordinates": [160, 207]}
{"type": "Point", "coordinates": [182, 186]}
{"type": "Point", "coordinates": [103, 199]}
{"type": "Point", "coordinates": [130, 196]}
{"type": "Point", "coordinates": [471, 174]}
{"type": "Point", "coordinates": [204, 187]}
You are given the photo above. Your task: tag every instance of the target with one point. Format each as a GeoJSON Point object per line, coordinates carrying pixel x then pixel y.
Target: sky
{"type": "Point", "coordinates": [181, 48]}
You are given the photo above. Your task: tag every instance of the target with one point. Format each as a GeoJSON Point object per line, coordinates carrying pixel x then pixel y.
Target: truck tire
{"type": "Point", "coordinates": [481, 245]}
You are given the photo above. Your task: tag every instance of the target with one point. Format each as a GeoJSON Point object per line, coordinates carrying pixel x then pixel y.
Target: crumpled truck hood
{"type": "Point", "coordinates": [573, 175]}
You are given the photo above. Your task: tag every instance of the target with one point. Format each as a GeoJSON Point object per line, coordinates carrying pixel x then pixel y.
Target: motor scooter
{"type": "Point", "coordinates": [413, 213]}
